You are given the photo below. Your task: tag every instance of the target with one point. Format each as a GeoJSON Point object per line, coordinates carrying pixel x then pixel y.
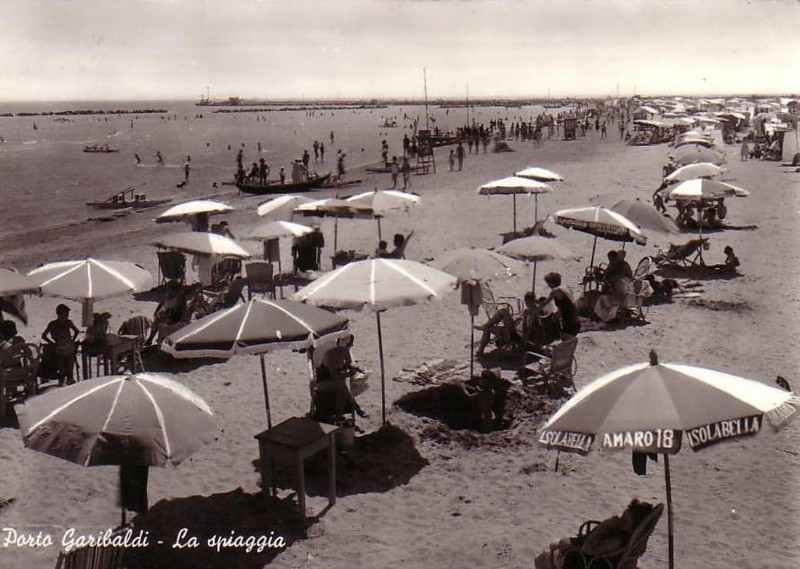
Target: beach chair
{"type": "Point", "coordinates": [259, 279]}
{"type": "Point", "coordinates": [554, 372]}
{"type": "Point", "coordinates": [171, 267]}
{"type": "Point", "coordinates": [93, 557]}
{"type": "Point", "coordinates": [639, 291]}
{"type": "Point", "coordinates": [138, 326]}
{"type": "Point", "coordinates": [214, 301]}
{"type": "Point", "coordinates": [20, 380]}
{"type": "Point", "coordinates": [690, 254]}
{"type": "Point", "coordinates": [626, 557]}
{"type": "Point", "coordinates": [491, 303]}
{"type": "Point", "coordinates": [225, 271]}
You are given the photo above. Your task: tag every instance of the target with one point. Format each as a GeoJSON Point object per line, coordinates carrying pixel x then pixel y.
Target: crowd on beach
{"type": "Point", "coordinates": [612, 297]}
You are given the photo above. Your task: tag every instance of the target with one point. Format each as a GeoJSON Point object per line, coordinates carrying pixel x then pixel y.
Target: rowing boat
{"type": "Point", "coordinates": [127, 198]}
{"type": "Point", "coordinates": [273, 187]}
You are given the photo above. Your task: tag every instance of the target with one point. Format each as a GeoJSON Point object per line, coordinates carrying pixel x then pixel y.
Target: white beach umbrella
{"type": "Point", "coordinates": [535, 249]}
{"type": "Point", "coordinates": [282, 206]}
{"type": "Point", "coordinates": [335, 208]}
{"type": "Point", "coordinates": [655, 408]}
{"type": "Point", "coordinates": [378, 284]}
{"type": "Point", "coordinates": [692, 171]}
{"type": "Point", "coordinates": [195, 211]}
{"type": "Point", "coordinates": [600, 222]}
{"type": "Point", "coordinates": [275, 229]}
{"type": "Point", "coordinates": [12, 283]}
{"type": "Point", "coordinates": [200, 243]}
{"type": "Point", "coordinates": [539, 174]}
{"type": "Point", "coordinates": [386, 201]}
{"type": "Point", "coordinates": [514, 185]}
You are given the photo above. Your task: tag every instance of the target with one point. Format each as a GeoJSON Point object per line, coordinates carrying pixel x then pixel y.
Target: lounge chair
{"type": "Point", "coordinates": [19, 381]}
{"type": "Point", "coordinates": [639, 291]}
{"type": "Point", "coordinates": [492, 305]}
{"type": "Point", "coordinates": [554, 372]}
{"type": "Point", "coordinates": [225, 271]}
{"type": "Point", "coordinates": [259, 278]}
{"type": "Point", "coordinates": [138, 326]}
{"type": "Point", "coordinates": [214, 301]}
{"type": "Point", "coordinates": [626, 557]}
{"type": "Point", "coordinates": [171, 267]}
{"type": "Point", "coordinates": [690, 254]}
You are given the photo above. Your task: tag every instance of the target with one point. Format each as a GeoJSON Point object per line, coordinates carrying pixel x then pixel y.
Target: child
{"type": "Point", "coordinates": [62, 333]}
{"type": "Point", "coordinates": [382, 250]}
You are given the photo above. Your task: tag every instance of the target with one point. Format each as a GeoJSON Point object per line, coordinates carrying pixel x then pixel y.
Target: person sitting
{"type": "Point", "coordinates": [10, 345]}
{"type": "Point", "coordinates": [382, 251]}
{"type": "Point", "coordinates": [605, 540]}
{"type": "Point", "coordinates": [662, 290]}
{"type": "Point", "coordinates": [96, 333]}
{"type": "Point", "coordinates": [490, 391]}
{"type": "Point", "coordinates": [503, 326]}
{"type": "Point", "coordinates": [171, 311]}
{"type": "Point", "coordinates": [331, 382]}
{"type": "Point", "coordinates": [400, 244]}
{"type": "Point", "coordinates": [731, 261]}
{"type": "Point", "coordinates": [617, 269]}
{"type": "Point", "coordinates": [222, 228]}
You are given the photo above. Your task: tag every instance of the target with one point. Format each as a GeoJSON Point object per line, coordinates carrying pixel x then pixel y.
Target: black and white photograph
{"type": "Point", "coordinates": [365, 284]}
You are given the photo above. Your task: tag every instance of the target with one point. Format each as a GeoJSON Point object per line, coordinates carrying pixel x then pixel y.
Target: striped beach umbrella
{"type": "Point", "coordinates": [658, 408]}
{"type": "Point", "coordinates": [255, 327]}
{"type": "Point", "coordinates": [600, 222]}
{"type": "Point", "coordinates": [378, 284]}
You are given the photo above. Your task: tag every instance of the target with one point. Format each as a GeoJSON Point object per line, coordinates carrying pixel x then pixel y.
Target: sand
{"type": "Point", "coordinates": [456, 499]}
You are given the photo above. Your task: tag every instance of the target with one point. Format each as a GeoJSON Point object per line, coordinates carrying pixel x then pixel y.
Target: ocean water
{"type": "Point", "coordinates": [46, 178]}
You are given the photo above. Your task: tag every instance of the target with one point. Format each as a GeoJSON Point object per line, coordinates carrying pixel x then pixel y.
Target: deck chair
{"type": "Point", "coordinates": [93, 557]}
{"type": "Point", "coordinates": [682, 256]}
{"type": "Point", "coordinates": [492, 305]}
{"type": "Point", "coordinates": [259, 279]}
{"type": "Point", "coordinates": [20, 380]}
{"type": "Point", "coordinates": [627, 557]}
{"type": "Point", "coordinates": [639, 291]}
{"type": "Point", "coordinates": [171, 267]}
{"type": "Point", "coordinates": [138, 326]}
{"type": "Point", "coordinates": [554, 372]}
{"type": "Point", "coordinates": [226, 298]}
{"type": "Point", "coordinates": [225, 271]}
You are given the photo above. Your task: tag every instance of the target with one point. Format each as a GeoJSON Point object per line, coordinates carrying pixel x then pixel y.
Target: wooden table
{"type": "Point", "coordinates": [114, 347]}
{"type": "Point", "coordinates": [296, 280]}
{"type": "Point", "coordinates": [291, 443]}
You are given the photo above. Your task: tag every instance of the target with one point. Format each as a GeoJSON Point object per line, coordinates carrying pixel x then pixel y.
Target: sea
{"type": "Point", "coordinates": [46, 178]}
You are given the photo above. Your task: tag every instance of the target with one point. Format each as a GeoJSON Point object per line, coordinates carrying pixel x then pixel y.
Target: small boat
{"type": "Point", "coordinates": [273, 187]}
{"type": "Point", "coordinates": [100, 148]}
{"type": "Point", "coordinates": [128, 198]}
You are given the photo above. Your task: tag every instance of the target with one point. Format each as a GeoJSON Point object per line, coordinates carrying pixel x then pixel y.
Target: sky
{"type": "Point", "coordinates": [311, 49]}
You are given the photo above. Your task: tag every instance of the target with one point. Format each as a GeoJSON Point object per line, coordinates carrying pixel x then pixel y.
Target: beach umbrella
{"type": "Point", "coordinates": [514, 185]}
{"type": "Point", "coordinates": [646, 216]}
{"type": "Point", "coordinates": [335, 208]}
{"type": "Point", "coordinates": [256, 327]}
{"type": "Point", "coordinates": [469, 264]}
{"type": "Point", "coordinates": [200, 243]}
{"type": "Point", "coordinates": [13, 285]}
{"type": "Point", "coordinates": [539, 174]}
{"type": "Point", "coordinates": [535, 249]}
{"type": "Point", "coordinates": [707, 143]}
{"type": "Point", "coordinates": [275, 229]}
{"type": "Point", "coordinates": [282, 206]}
{"type": "Point", "coordinates": [657, 408]}
{"type": "Point", "coordinates": [692, 171]}
{"type": "Point", "coordinates": [386, 201]}
{"type": "Point", "coordinates": [700, 189]}
{"type": "Point", "coordinates": [693, 154]}
{"type": "Point", "coordinates": [87, 280]}
{"type": "Point", "coordinates": [196, 212]}
{"type": "Point", "coordinates": [379, 284]}
{"type": "Point", "coordinates": [143, 419]}
{"type": "Point", "coordinates": [599, 222]}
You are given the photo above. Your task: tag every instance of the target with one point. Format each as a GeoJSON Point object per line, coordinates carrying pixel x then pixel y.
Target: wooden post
{"type": "Point", "coordinates": [383, 372]}
{"type": "Point", "coordinates": [670, 534]}
{"type": "Point", "coordinates": [266, 390]}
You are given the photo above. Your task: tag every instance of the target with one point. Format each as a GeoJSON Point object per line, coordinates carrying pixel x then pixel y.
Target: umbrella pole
{"type": "Point", "coordinates": [383, 372]}
{"type": "Point", "coordinates": [266, 390]}
{"type": "Point", "coordinates": [471, 344]}
{"type": "Point", "coordinates": [514, 201]}
{"type": "Point", "coordinates": [670, 537]}
{"type": "Point", "coordinates": [378, 219]}
{"type": "Point", "coordinates": [533, 282]}
{"type": "Point", "coordinates": [535, 208]}
{"type": "Point", "coordinates": [594, 247]}
{"type": "Point", "coordinates": [700, 230]}
{"type": "Point", "coordinates": [335, 235]}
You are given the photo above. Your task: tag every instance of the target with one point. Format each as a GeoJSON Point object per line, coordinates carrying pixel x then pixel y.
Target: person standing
{"type": "Point", "coordinates": [340, 164]}
{"type": "Point", "coordinates": [263, 171]}
{"type": "Point", "coordinates": [745, 151]}
{"type": "Point", "coordinates": [451, 158]}
{"type": "Point", "coordinates": [62, 334]}
{"type": "Point", "coordinates": [405, 168]}
{"type": "Point", "coordinates": [306, 159]}
{"type": "Point", "coordinates": [460, 155]}
{"type": "Point", "coordinates": [322, 152]}
{"type": "Point", "coordinates": [186, 170]}
{"type": "Point", "coordinates": [394, 169]}
{"type": "Point", "coordinates": [316, 151]}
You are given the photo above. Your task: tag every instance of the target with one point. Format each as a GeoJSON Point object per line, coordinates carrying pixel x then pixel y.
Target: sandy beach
{"type": "Point", "coordinates": [424, 495]}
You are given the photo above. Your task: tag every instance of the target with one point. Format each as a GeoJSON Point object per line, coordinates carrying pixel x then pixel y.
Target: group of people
{"type": "Point", "coordinates": [397, 168]}
{"type": "Point", "coordinates": [400, 243]}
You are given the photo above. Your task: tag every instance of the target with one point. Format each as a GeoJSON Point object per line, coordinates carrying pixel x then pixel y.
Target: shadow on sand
{"type": "Point", "coordinates": [155, 360]}
{"type": "Point", "coordinates": [204, 517]}
{"type": "Point", "coordinates": [376, 462]}
{"type": "Point", "coordinates": [700, 273]}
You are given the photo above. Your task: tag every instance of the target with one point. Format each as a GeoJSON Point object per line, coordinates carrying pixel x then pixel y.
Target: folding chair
{"type": "Point", "coordinates": [259, 278]}
{"type": "Point", "coordinates": [225, 271]}
{"type": "Point", "coordinates": [555, 372]}
{"type": "Point", "coordinates": [19, 381]}
{"type": "Point", "coordinates": [690, 254]}
{"type": "Point", "coordinates": [138, 326]}
{"type": "Point", "coordinates": [171, 267]}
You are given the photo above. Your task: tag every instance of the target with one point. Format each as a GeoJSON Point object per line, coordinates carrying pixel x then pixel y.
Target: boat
{"type": "Point", "coordinates": [274, 187]}
{"type": "Point", "coordinates": [128, 198]}
{"type": "Point", "coordinates": [101, 148]}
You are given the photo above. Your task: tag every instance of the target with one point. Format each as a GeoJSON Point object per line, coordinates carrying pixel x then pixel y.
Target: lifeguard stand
{"type": "Point", "coordinates": [425, 158]}
{"type": "Point", "coordinates": [570, 128]}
